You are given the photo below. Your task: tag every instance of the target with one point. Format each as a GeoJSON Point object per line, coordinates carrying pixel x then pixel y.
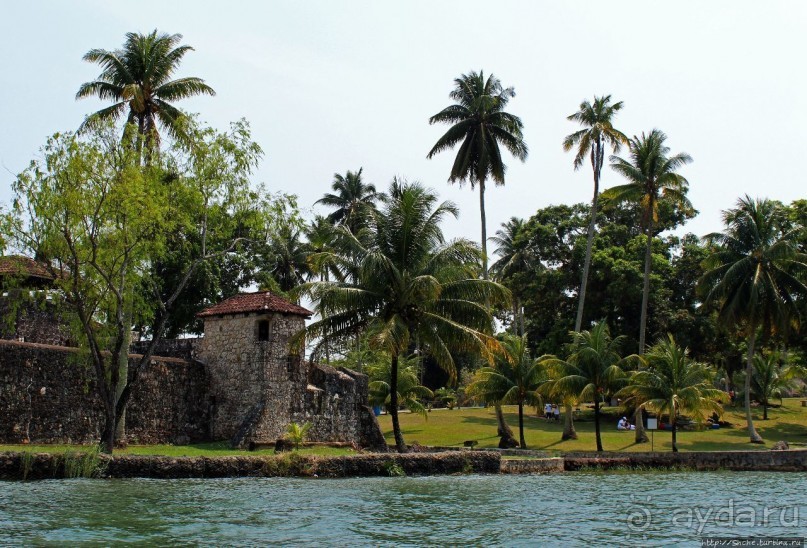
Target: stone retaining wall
{"type": "Point", "coordinates": [15, 466]}
{"type": "Point", "coordinates": [532, 466]}
{"type": "Point", "coordinates": [780, 461]}
{"type": "Point", "coordinates": [47, 395]}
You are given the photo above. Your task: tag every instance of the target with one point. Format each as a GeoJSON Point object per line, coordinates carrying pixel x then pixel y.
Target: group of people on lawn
{"type": "Point", "coordinates": [551, 412]}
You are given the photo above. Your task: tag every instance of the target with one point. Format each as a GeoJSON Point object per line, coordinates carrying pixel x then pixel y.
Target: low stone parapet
{"type": "Point", "coordinates": [19, 465]}
{"type": "Point", "coordinates": [532, 466]}
{"type": "Point", "coordinates": [780, 461]}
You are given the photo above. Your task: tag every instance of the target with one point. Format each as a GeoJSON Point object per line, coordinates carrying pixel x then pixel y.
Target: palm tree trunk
{"type": "Point", "coordinates": [521, 425]}
{"type": "Point", "coordinates": [503, 429]}
{"type": "Point", "coordinates": [484, 230]}
{"type": "Point", "coordinates": [358, 353]}
{"type": "Point", "coordinates": [648, 258]}
{"type": "Point", "coordinates": [640, 435]}
{"type": "Point", "coordinates": [765, 411]}
{"type": "Point", "coordinates": [521, 317]}
{"type": "Point", "coordinates": [674, 438]}
{"type": "Point", "coordinates": [597, 423]}
{"type": "Point", "coordinates": [393, 407]}
{"type": "Point", "coordinates": [749, 370]}
{"type": "Point", "coordinates": [569, 432]}
{"type": "Point", "coordinates": [581, 300]}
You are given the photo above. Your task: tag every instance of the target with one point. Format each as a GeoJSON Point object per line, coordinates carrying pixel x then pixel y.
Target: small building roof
{"type": "Point", "coordinates": [17, 265]}
{"type": "Point", "coordinates": [262, 301]}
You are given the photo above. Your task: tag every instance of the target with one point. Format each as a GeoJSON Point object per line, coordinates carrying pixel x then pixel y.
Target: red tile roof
{"type": "Point", "coordinates": [262, 301]}
{"type": "Point", "coordinates": [17, 265]}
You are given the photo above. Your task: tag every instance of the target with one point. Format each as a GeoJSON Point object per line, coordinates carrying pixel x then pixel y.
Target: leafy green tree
{"type": "Point", "coordinates": [223, 206]}
{"type": "Point", "coordinates": [478, 121]}
{"type": "Point", "coordinates": [410, 284]}
{"type": "Point", "coordinates": [673, 384]}
{"type": "Point", "coordinates": [514, 379]}
{"type": "Point", "coordinates": [754, 277]}
{"type": "Point", "coordinates": [353, 200]}
{"type": "Point", "coordinates": [653, 178]}
{"type": "Point", "coordinates": [593, 369]}
{"type": "Point", "coordinates": [137, 78]}
{"type": "Point", "coordinates": [410, 392]}
{"type": "Point", "coordinates": [100, 220]}
{"type": "Point", "coordinates": [598, 133]}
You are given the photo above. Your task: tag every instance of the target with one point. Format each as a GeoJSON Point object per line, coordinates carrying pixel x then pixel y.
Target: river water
{"type": "Point", "coordinates": [573, 509]}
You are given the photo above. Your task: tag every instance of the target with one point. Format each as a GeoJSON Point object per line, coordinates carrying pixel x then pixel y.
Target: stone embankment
{"type": "Point", "coordinates": [775, 461]}
{"type": "Point", "coordinates": [51, 465]}
{"type": "Point", "coordinates": [20, 465]}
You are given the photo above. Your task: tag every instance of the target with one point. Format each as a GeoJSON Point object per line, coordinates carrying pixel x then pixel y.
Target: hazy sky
{"type": "Point", "coordinates": [330, 86]}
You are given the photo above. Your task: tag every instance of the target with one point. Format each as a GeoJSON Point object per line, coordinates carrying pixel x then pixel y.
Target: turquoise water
{"type": "Point", "coordinates": [573, 509]}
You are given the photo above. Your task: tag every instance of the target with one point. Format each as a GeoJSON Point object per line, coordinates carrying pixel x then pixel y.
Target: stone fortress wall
{"type": "Point", "coordinates": [47, 395]}
{"type": "Point", "coordinates": [238, 383]}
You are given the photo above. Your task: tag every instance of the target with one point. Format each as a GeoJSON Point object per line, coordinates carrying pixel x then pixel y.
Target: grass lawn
{"type": "Point", "coordinates": [452, 427]}
{"type": "Point", "coordinates": [211, 449]}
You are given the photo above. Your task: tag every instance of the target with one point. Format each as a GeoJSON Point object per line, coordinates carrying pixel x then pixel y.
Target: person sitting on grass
{"type": "Point", "coordinates": [623, 424]}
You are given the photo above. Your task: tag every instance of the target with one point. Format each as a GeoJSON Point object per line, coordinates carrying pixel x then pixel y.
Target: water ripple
{"type": "Point", "coordinates": [569, 509]}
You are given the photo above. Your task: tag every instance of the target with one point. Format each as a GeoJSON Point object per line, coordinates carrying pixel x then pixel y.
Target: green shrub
{"type": "Point", "coordinates": [394, 469]}
{"type": "Point", "coordinates": [296, 433]}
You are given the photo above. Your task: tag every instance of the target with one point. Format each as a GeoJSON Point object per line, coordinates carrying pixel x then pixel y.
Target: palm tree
{"type": "Point", "coordinates": [515, 260]}
{"type": "Point", "coordinates": [754, 277]}
{"type": "Point", "coordinates": [672, 384]}
{"type": "Point", "coordinates": [771, 381]}
{"type": "Point", "coordinates": [514, 379]}
{"type": "Point", "coordinates": [480, 123]}
{"type": "Point", "coordinates": [139, 77]}
{"type": "Point", "coordinates": [411, 393]}
{"type": "Point", "coordinates": [591, 141]}
{"type": "Point", "coordinates": [652, 177]}
{"type": "Point", "coordinates": [353, 199]}
{"type": "Point", "coordinates": [410, 284]}
{"type": "Point", "coordinates": [592, 370]}
{"type": "Point", "coordinates": [290, 255]}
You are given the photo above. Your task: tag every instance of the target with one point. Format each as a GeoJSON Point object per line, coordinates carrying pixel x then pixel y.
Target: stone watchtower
{"type": "Point", "coordinates": [256, 377]}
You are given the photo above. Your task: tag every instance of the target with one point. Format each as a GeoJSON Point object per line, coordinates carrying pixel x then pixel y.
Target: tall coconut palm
{"type": "Point", "coordinates": [593, 369]}
{"type": "Point", "coordinates": [598, 133]}
{"type": "Point", "coordinates": [137, 79]}
{"type": "Point", "coordinates": [410, 284]}
{"type": "Point", "coordinates": [652, 176]}
{"type": "Point", "coordinates": [754, 277]}
{"type": "Point", "coordinates": [514, 379]}
{"type": "Point", "coordinates": [479, 122]}
{"type": "Point", "coordinates": [353, 200]}
{"type": "Point", "coordinates": [672, 384]}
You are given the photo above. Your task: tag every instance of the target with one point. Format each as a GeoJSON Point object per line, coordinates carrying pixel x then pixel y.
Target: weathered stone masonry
{"type": "Point", "coordinates": [240, 383]}
{"type": "Point", "coordinates": [47, 395]}
{"type": "Point", "coordinates": [259, 383]}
